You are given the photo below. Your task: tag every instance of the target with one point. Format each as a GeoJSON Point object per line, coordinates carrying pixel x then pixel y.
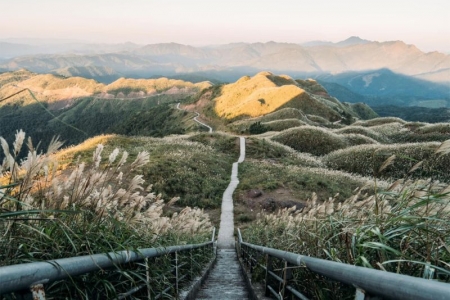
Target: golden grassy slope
{"type": "Point", "coordinates": [54, 88]}
{"type": "Point", "coordinates": [256, 96]}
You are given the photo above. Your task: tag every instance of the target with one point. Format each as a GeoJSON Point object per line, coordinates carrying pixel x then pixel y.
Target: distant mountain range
{"type": "Point", "coordinates": [384, 87]}
{"type": "Point", "coordinates": [391, 72]}
{"type": "Point", "coordinates": [353, 54]}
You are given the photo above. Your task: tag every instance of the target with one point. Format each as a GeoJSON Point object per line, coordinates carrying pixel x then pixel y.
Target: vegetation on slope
{"type": "Point", "coordinates": [194, 168]}
{"type": "Point", "coordinates": [254, 96]}
{"type": "Point", "coordinates": [363, 159]}
{"type": "Point", "coordinates": [49, 212]}
{"type": "Point", "coordinates": [389, 228]}
{"type": "Point", "coordinates": [78, 108]}
{"type": "Point", "coordinates": [307, 161]}
{"type": "Point", "coordinates": [403, 231]}
{"type": "Point", "coordinates": [310, 139]}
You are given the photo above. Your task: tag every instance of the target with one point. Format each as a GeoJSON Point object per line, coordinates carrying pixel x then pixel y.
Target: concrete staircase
{"type": "Point", "coordinates": [225, 280]}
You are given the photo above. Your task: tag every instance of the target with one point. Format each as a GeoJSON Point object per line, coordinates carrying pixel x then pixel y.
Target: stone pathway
{"type": "Point", "coordinates": [225, 280]}
{"type": "Point", "coordinates": [201, 123]}
{"type": "Point", "coordinates": [225, 238]}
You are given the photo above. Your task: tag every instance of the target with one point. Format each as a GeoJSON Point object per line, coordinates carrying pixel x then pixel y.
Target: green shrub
{"type": "Point", "coordinates": [363, 131]}
{"type": "Point", "coordinates": [257, 128]}
{"type": "Point", "coordinates": [314, 140]}
{"type": "Point", "coordinates": [367, 159]}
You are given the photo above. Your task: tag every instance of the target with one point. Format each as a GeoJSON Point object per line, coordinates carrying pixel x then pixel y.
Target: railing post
{"type": "Point", "coordinates": [175, 272]}
{"type": "Point", "coordinates": [268, 280]}
{"type": "Point", "coordinates": [250, 257]}
{"type": "Point", "coordinates": [360, 294]}
{"type": "Point", "coordinates": [287, 277]}
{"type": "Point", "coordinates": [213, 245]}
{"type": "Point", "coordinates": [238, 244]}
{"type": "Point", "coordinates": [191, 263]}
{"type": "Point", "coordinates": [147, 277]}
{"type": "Point", "coordinates": [242, 254]}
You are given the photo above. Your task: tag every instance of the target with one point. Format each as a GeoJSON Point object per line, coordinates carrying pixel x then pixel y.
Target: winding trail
{"type": "Point", "coordinates": [225, 238]}
{"type": "Point", "coordinates": [225, 280]}
{"type": "Point", "coordinates": [196, 119]}
{"type": "Point", "coordinates": [201, 123]}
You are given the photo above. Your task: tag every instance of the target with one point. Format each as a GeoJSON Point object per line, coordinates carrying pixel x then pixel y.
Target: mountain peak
{"type": "Point", "coordinates": [353, 40]}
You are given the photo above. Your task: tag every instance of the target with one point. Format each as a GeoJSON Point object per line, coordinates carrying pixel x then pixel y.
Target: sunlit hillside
{"type": "Point", "coordinates": [78, 108]}
{"type": "Point", "coordinates": [55, 88]}
{"type": "Point", "coordinates": [275, 102]}
{"type": "Point", "coordinates": [256, 96]}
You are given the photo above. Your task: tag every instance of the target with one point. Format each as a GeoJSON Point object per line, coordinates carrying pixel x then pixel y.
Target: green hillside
{"type": "Point", "coordinates": [320, 177]}
{"type": "Point", "coordinates": [76, 108]}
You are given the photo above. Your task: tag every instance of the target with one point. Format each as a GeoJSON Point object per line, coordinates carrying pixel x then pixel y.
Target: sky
{"type": "Point", "coordinates": [425, 24]}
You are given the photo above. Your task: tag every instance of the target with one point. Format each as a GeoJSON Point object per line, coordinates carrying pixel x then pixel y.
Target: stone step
{"type": "Point", "coordinates": [225, 280]}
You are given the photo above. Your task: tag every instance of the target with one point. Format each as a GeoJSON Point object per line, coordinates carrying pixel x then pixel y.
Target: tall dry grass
{"type": "Point", "coordinates": [48, 212]}
{"type": "Point", "coordinates": [403, 229]}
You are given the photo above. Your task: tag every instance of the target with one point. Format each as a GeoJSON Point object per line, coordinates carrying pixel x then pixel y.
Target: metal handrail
{"type": "Point", "coordinates": [366, 281]}
{"type": "Point", "coordinates": [25, 276]}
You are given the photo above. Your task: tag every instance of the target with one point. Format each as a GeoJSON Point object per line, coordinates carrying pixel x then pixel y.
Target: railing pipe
{"type": "Point", "coordinates": [22, 276]}
{"type": "Point", "coordinates": [239, 236]}
{"type": "Point", "coordinates": [375, 282]}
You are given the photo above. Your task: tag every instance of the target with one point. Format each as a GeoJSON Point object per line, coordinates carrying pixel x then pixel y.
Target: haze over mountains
{"type": "Point", "coordinates": [353, 70]}
{"type": "Point", "coordinates": [131, 60]}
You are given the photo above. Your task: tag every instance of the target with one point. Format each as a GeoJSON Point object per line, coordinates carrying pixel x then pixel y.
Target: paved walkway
{"type": "Point", "coordinates": [225, 238]}
{"type": "Point", "coordinates": [225, 280]}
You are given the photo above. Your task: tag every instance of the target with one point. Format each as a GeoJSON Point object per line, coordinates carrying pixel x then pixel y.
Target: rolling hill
{"type": "Point", "coordinates": [357, 188]}
{"type": "Point", "coordinates": [268, 102]}
{"type": "Point", "coordinates": [78, 108]}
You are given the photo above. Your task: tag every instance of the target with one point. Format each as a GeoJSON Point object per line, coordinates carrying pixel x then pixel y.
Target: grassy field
{"type": "Point", "coordinates": [318, 178]}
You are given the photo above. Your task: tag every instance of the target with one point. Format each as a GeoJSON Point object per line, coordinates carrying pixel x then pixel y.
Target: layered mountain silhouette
{"type": "Point", "coordinates": [353, 54]}
{"type": "Point", "coordinates": [380, 87]}
{"type": "Point", "coordinates": [353, 70]}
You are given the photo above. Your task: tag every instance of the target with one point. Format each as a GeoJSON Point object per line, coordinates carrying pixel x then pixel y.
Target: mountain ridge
{"type": "Point", "coordinates": [353, 54]}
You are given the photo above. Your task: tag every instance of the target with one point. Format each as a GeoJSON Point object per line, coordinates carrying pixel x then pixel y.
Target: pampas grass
{"type": "Point", "coordinates": [404, 230]}
{"type": "Point", "coordinates": [49, 212]}
{"type": "Point", "coordinates": [107, 188]}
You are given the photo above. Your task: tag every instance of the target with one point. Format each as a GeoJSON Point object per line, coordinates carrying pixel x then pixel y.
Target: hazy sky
{"type": "Point", "coordinates": [202, 22]}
